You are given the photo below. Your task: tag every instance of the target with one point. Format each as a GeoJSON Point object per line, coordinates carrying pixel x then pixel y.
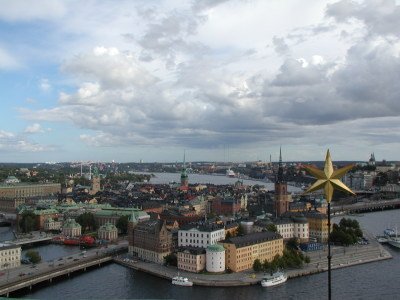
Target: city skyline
{"type": "Point", "coordinates": [225, 80]}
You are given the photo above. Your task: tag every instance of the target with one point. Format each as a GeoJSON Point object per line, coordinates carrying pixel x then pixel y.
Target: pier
{"type": "Point", "coordinates": [368, 206]}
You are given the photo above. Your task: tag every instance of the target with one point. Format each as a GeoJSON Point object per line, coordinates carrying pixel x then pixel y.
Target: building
{"type": "Point", "coordinates": [282, 197]}
{"type": "Point", "coordinates": [132, 222]}
{"type": "Point", "coordinates": [242, 251]}
{"type": "Point", "coordinates": [200, 235]}
{"type": "Point", "coordinates": [25, 190]}
{"type": "Point", "coordinates": [10, 256]}
{"type": "Point", "coordinates": [112, 214]}
{"type": "Point", "coordinates": [51, 225]}
{"type": "Point", "coordinates": [71, 228]}
{"type": "Point", "coordinates": [152, 241]}
{"type": "Point", "coordinates": [108, 232]}
{"type": "Point", "coordinates": [215, 258]}
{"type": "Point", "coordinates": [191, 259]}
{"type": "Point", "coordinates": [11, 180]}
{"type": "Point", "coordinates": [293, 227]}
{"type": "Point", "coordinates": [10, 204]}
{"type": "Point", "coordinates": [318, 226]}
{"type": "Point", "coordinates": [226, 205]}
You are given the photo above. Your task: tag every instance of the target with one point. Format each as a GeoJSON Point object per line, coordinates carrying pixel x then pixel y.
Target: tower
{"type": "Point", "coordinates": [282, 197]}
{"type": "Point", "coordinates": [95, 181]}
{"type": "Point", "coordinates": [184, 176]}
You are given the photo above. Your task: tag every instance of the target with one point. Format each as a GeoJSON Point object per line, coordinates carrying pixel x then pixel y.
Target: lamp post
{"type": "Point", "coordinates": [329, 180]}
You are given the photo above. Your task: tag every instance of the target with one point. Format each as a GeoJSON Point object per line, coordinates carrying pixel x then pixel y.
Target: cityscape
{"type": "Point", "coordinates": [188, 149]}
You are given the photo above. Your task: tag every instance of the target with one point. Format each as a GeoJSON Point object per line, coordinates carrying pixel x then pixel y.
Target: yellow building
{"type": "Point", "coordinates": [317, 225]}
{"type": "Point", "coordinates": [242, 251]}
{"type": "Point", "coordinates": [191, 259]}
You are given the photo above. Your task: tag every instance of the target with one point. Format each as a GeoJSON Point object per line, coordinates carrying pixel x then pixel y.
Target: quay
{"type": "Point", "coordinates": [28, 276]}
{"type": "Point", "coordinates": [342, 257]}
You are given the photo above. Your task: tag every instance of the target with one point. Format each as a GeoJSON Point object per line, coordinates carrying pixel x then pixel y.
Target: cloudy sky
{"type": "Point", "coordinates": [225, 80]}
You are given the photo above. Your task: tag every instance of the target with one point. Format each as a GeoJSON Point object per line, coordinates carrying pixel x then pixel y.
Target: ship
{"type": "Point", "coordinates": [230, 173]}
{"type": "Point", "coordinates": [182, 281]}
{"type": "Point", "coordinates": [274, 279]}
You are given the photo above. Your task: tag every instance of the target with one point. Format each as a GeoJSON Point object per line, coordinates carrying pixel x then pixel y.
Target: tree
{"type": "Point", "coordinates": [228, 235]}
{"type": "Point", "coordinates": [27, 223]}
{"type": "Point", "coordinates": [33, 256]}
{"type": "Point", "coordinates": [307, 259]}
{"type": "Point", "coordinates": [171, 260]}
{"type": "Point", "coordinates": [240, 231]}
{"type": "Point", "coordinates": [293, 243]}
{"type": "Point", "coordinates": [122, 224]}
{"type": "Point", "coordinates": [87, 221]}
{"type": "Point", "coordinates": [257, 265]}
{"type": "Point", "coordinates": [272, 227]}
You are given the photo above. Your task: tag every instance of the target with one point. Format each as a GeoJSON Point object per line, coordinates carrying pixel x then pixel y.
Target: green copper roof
{"type": "Point", "coordinates": [108, 227]}
{"type": "Point", "coordinates": [216, 248]}
{"type": "Point", "coordinates": [71, 223]}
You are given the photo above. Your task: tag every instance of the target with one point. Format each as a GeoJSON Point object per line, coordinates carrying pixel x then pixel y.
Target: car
{"type": "Point", "coordinates": [33, 266]}
{"type": "Point", "coordinates": [60, 259]}
{"type": "Point", "coordinates": [2, 273]}
{"type": "Point", "coordinates": [21, 274]}
{"type": "Point", "coordinates": [61, 264]}
{"type": "Point", "coordinates": [70, 257]}
{"type": "Point", "coordinates": [76, 259]}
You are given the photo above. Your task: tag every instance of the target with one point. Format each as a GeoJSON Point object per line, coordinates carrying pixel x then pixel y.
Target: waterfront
{"type": "Point", "coordinates": [367, 281]}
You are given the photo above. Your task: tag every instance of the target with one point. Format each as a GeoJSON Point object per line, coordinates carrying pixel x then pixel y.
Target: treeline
{"type": "Point", "coordinates": [348, 232]}
{"type": "Point", "coordinates": [290, 259]}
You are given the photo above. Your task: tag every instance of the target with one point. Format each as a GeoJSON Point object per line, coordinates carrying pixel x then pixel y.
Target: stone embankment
{"type": "Point", "coordinates": [342, 257]}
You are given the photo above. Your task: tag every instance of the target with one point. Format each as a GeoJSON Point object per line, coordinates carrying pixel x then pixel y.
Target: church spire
{"type": "Point", "coordinates": [280, 177]}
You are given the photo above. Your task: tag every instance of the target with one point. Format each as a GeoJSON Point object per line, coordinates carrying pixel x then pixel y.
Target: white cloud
{"type": "Point", "coordinates": [34, 128]}
{"type": "Point", "coordinates": [14, 143]}
{"type": "Point", "coordinates": [45, 85]}
{"type": "Point", "coordinates": [7, 61]}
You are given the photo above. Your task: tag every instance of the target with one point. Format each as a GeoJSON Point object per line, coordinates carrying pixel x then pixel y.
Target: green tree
{"type": "Point", "coordinates": [87, 221]}
{"type": "Point", "coordinates": [228, 235]}
{"type": "Point", "coordinates": [27, 222]}
{"type": "Point", "coordinates": [293, 243]}
{"type": "Point", "coordinates": [272, 227]}
{"type": "Point", "coordinates": [33, 256]}
{"type": "Point", "coordinates": [240, 230]}
{"type": "Point", "coordinates": [122, 224]}
{"type": "Point", "coordinates": [257, 265]}
{"type": "Point", "coordinates": [171, 260]}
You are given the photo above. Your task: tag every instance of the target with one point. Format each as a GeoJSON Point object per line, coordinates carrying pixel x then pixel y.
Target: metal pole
{"type": "Point", "coordinates": [329, 253]}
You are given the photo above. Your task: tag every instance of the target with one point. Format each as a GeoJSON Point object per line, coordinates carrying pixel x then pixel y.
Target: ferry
{"type": "Point", "coordinates": [230, 173]}
{"type": "Point", "coordinates": [182, 281]}
{"type": "Point", "coordinates": [274, 279]}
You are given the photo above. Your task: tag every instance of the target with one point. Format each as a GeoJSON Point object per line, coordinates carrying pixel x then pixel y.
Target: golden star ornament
{"type": "Point", "coordinates": [328, 178]}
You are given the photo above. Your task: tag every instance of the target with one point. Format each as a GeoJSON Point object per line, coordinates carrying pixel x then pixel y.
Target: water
{"type": "Point", "coordinates": [376, 280]}
{"type": "Point", "coordinates": [164, 178]}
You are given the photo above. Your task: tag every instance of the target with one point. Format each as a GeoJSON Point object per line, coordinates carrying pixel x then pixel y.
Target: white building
{"type": "Point", "coordinates": [50, 224]}
{"type": "Point", "coordinates": [215, 258]}
{"type": "Point", "coordinates": [200, 236]}
{"type": "Point", "coordinates": [294, 227]}
{"type": "Point", "coordinates": [71, 228]}
{"type": "Point", "coordinates": [10, 256]}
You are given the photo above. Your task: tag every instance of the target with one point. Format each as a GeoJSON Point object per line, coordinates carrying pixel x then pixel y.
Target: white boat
{"type": "Point", "coordinates": [182, 281]}
{"type": "Point", "coordinates": [274, 279]}
{"type": "Point", "coordinates": [230, 173]}
{"type": "Point", "coordinates": [392, 238]}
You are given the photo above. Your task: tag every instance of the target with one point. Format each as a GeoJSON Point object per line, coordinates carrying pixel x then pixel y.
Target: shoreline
{"type": "Point", "coordinates": [343, 257]}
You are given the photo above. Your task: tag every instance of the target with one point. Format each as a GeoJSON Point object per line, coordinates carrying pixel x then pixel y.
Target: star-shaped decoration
{"type": "Point", "coordinates": [328, 179]}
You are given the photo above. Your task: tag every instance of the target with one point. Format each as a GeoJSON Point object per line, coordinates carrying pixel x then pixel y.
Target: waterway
{"type": "Point", "coordinates": [378, 280]}
{"type": "Point", "coordinates": [164, 178]}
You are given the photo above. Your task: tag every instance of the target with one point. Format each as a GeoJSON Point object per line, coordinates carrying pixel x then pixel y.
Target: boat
{"type": "Point", "coordinates": [182, 281]}
{"type": "Point", "coordinates": [274, 279]}
{"type": "Point", "coordinates": [230, 173]}
{"type": "Point", "coordinates": [392, 238]}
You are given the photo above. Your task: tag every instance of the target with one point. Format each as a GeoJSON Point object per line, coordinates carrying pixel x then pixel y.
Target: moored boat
{"type": "Point", "coordinates": [230, 173]}
{"type": "Point", "coordinates": [182, 281]}
{"type": "Point", "coordinates": [274, 279]}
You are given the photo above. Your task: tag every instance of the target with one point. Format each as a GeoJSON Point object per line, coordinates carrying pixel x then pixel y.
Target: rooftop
{"type": "Point", "coordinates": [252, 238]}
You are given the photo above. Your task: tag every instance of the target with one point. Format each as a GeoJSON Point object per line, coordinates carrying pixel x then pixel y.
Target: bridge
{"type": "Point", "coordinates": [368, 206]}
{"type": "Point", "coordinates": [26, 277]}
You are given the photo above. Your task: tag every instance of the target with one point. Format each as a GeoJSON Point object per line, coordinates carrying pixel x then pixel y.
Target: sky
{"type": "Point", "coordinates": [222, 80]}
